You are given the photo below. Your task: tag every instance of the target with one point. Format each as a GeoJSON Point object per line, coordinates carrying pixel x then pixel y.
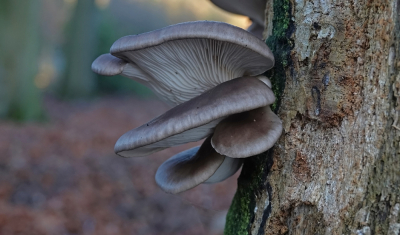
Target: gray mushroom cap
{"type": "Point", "coordinates": [196, 118]}
{"type": "Point", "coordinates": [256, 29]}
{"type": "Point", "coordinates": [195, 166]}
{"type": "Point", "coordinates": [247, 134]}
{"type": "Point", "coordinates": [182, 61]}
{"type": "Point", "coordinates": [254, 9]}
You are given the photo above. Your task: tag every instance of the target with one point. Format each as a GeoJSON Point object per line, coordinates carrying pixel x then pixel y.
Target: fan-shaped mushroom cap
{"type": "Point", "coordinates": [196, 118]}
{"type": "Point", "coordinates": [254, 9]}
{"type": "Point", "coordinates": [195, 166]}
{"type": "Point", "coordinates": [182, 61]}
{"type": "Point", "coordinates": [247, 134]}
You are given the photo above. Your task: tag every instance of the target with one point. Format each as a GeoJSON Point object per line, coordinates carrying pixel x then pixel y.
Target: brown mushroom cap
{"type": "Point", "coordinates": [247, 134]}
{"type": "Point", "coordinates": [182, 61]}
{"type": "Point", "coordinates": [195, 166]}
{"type": "Point", "coordinates": [196, 118]}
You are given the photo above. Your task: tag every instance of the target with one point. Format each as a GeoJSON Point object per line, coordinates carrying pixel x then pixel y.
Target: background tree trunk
{"type": "Point", "coordinates": [19, 48]}
{"type": "Point", "coordinates": [336, 168]}
{"type": "Point", "coordinates": [80, 49]}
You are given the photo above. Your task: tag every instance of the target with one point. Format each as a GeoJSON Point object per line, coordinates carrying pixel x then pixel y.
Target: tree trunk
{"type": "Point", "coordinates": [19, 47]}
{"type": "Point", "coordinates": [79, 80]}
{"type": "Point", "coordinates": [336, 168]}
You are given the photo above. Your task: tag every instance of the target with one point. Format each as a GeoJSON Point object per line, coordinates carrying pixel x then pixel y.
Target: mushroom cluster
{"type": "Point", "coordinates": [210, 73]}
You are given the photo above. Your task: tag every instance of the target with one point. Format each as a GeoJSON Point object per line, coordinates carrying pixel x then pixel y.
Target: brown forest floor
{"type": "Point", "coordinates": [62, 177]}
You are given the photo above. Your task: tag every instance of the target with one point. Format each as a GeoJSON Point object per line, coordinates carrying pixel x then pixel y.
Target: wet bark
{"type": "Point", "coordinates": [336, 168]}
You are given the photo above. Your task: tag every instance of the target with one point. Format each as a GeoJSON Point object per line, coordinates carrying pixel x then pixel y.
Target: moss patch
{"type": "Point", "coordinates": [250, 182]}
{"type": "Point", "coordinates": [280, 44]}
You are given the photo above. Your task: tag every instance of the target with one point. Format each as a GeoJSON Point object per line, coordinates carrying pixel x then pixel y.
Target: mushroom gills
{"type": "Point", "coordinates": [183, 69]}
{"type": "Point", "coordinates": [181, 61]}
{"type": "Point", "coordinates": [194, 166]}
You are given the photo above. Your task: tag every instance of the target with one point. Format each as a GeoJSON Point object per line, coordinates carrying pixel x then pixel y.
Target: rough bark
{"type": "Point", "coordinates": [336, 168]}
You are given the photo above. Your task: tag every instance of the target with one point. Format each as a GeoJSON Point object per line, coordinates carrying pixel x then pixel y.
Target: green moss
{"type": "Point", "coordinates": [252, 180]}
{"type": "Point", "coordinates": [241, 212]}
{"type": "Point", "coordinates": [281, 19]}
{"type": "Point", "coordinates": [280, 44]}
{"type": "Point", "coordinates": [237, 223]}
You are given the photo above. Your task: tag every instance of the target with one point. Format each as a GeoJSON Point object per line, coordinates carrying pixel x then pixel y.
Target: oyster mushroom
{"type": "Point", "coordinates": [210, 72]}
{"type": "Point", "coordinates": [254, 9]}
{"type": "Point", "coordinates": [182, 61]}
{"type": "Point", "coordinates": [194, 166]}
{"type": "Point", "coordinates": [196, 119]}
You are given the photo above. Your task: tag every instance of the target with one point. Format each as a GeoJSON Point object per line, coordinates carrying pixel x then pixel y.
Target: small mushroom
{"type": "Point", "coordinates": [195, 166]}
{"type": "Point", "coordinates": [254, 9]}
{"type": "Point", "coordinates": [210, 72]}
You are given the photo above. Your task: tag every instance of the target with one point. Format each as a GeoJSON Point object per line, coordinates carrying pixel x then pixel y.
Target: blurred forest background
{"type": "Point", "coordinates": [59, 122]}
{"type": "Point", "coordinates": [47, 46]}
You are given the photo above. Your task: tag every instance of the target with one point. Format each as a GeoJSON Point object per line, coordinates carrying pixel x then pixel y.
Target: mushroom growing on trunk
{"type": "Point", "coordinates": [254, 9]}
{"type": "Point", "coordinates": [210, 72]}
